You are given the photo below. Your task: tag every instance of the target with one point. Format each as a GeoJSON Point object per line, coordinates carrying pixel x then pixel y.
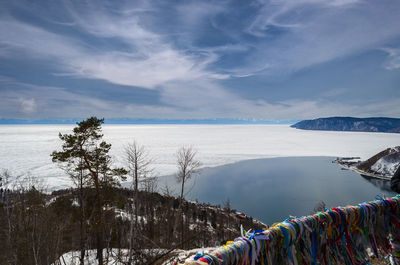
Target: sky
{"type": "Point", "coordinates": [269, 60]}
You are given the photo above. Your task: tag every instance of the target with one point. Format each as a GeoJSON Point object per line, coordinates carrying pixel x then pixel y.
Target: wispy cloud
{"type": "Point", "coordinates": [33, 101]}
{"type": "Point", "coordinates": [314, 31]}
{"type": "Point", "coordinates": [186, 52]}
{"type": "Point", "coordinates": [311, 32]}
{"type": "Point", "coordinates": [147, 62]}
{"type": "Point", "coordinates": [28, 105]}
{"type": "Point", "coordinates": [393, 60]}
{"type": "Point", "coordinates": [21, 38]}
{"type": "Point", "coordinates": [19, 100]}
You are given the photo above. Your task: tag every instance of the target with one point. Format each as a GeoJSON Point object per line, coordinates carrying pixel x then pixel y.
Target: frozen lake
{"type": "Point", "coordinates": [26, 149]}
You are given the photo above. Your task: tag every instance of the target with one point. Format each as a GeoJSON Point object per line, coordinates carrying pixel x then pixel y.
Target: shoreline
{"type": "Point", "coordinates": [28, 149]}
{"type": "Point", "coordinates": [353, 167]}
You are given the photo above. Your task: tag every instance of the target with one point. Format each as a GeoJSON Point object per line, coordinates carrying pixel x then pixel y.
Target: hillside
{"type": "Point", "coordinates": [388, 125]}
{"type": "Point", "coordinates": [57, 228]}
{"type": "Point", "coordinates": [382, 165]}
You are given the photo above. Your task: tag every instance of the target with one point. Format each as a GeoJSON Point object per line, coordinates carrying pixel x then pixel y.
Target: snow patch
{"type": "Point", "coordinates": [388, 164]}
{"type": "Point", "coordinates": [120, 256]}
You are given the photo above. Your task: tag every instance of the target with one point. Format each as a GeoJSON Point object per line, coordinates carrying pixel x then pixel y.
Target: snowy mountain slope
{"type": "Point", "coordinates": [388, 164]}
{"type": "Point", "coordinates": [384, 163]}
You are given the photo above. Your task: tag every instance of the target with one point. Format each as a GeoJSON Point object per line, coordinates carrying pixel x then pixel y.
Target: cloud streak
{"type": "Point", "coordinates": [149, 62]}
{"type": "Point", "coordinates": [186, 52]}
{"type": "Point", "coordinates": [34, 101]}
{"type": "Point", "coordinates": [393, 60]}
{"type": "Point", "coordinates": [314, 32]}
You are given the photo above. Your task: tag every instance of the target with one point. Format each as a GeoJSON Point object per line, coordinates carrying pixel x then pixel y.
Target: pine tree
{"type": "Point", "coordinates": [85, 158]}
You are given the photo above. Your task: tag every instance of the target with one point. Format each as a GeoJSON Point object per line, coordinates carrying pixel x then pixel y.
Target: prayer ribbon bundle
{"type": "Point", "coordinates": [341, 235]}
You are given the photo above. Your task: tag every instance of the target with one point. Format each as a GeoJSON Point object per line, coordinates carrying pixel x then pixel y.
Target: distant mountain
{"type": "Point", "coordinates": [388, 125]}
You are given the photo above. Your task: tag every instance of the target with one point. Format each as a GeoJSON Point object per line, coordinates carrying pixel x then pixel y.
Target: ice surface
{"type": "Point", "coordinates": [26, 149]}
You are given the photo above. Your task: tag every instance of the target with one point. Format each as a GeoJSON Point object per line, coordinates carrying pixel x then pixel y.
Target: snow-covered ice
{"type": "Point", "coordinates": [26, 149]}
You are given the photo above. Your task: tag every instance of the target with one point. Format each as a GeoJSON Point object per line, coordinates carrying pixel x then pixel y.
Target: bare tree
{"type": "Point", "coordinates": [138, 161]}
{"type": "Point", "coordinates": [5, 182]}
{"type": "Point", "coordinates": [227, 209]}
{"type": "Point", "coordinates": [150, 184]}
{"type": "Point", "coordinates": [188, 166]}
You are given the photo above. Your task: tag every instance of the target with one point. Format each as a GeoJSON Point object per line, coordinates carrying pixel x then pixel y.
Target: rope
{"type": "Point", "coordinates": [340, 235]}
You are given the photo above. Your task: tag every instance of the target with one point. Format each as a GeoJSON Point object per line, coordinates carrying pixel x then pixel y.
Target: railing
{"type": "Point", "coordinates": [343, 235]}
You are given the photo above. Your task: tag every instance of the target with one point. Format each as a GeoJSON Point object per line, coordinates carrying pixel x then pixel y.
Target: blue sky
{"type": "Point", "coordinates": [272, 60]}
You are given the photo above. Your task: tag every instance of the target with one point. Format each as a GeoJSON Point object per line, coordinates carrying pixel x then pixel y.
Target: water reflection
{"type": "Point", "coordinates": [276, 188]}
{"type": "Point", "coordinates": [382, 184]}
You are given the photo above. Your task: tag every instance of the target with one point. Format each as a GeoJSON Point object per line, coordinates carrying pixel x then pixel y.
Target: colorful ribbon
{"type": "Point", "coordinates": [340, 235]}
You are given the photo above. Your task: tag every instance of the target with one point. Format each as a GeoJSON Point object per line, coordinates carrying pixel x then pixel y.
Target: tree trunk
{"type": "Point", "coordinates": [131, 237]}
{"type": "Point", "coordinates": [99, 212]}
{"type": "Point", "coordinates": [82, 223]}
{"type": "Point", "coordinates": [133, 230]}
{"type": "Point", "coordinates": [136, 193]}
{"type": "Point", "coordinates": [181, 212]}
{"type": "Point", "coordinates": [99, 234]}
{"type": "Point", "coordinates": [99, 225]}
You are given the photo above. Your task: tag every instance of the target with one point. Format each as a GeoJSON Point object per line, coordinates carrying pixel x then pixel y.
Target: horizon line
{"type": "Point", "coordinates": [146, 121]}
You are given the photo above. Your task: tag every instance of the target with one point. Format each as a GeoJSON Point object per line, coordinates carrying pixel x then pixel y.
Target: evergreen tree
{"type": "Point", "coordinates": [85, 158]}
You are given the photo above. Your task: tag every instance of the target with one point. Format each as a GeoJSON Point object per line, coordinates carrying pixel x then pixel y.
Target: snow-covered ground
{"type": "Point", "coordinates": [119, 256]}
{"type": "Point", "coordinates": [26, 149]}
{"type": "Point", "coordinates": [388, 164]}
{"type": "Point", "coordinates": [113, 256]}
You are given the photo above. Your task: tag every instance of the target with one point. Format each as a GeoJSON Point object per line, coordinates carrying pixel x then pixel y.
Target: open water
{"type": "Point", "coordinates": [273, 189]}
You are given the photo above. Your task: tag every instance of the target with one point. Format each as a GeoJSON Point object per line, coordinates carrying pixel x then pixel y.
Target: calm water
{"type": "Point", "coordinates": [273, 189]}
